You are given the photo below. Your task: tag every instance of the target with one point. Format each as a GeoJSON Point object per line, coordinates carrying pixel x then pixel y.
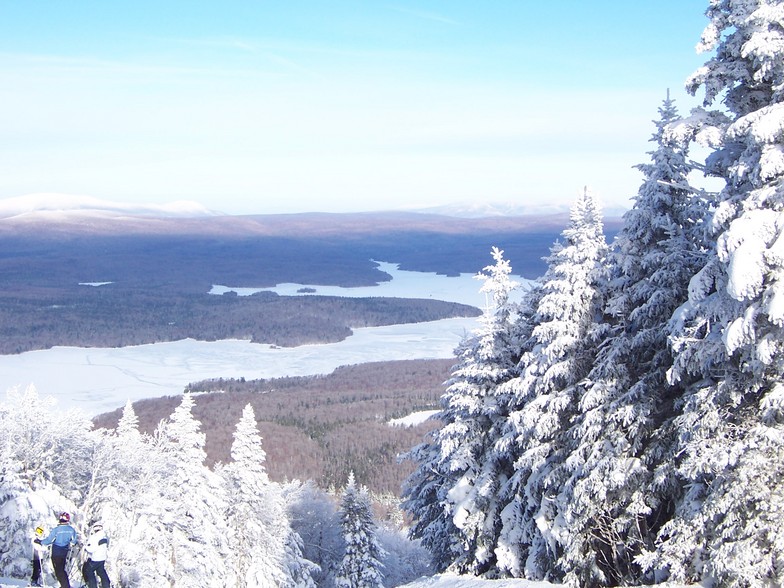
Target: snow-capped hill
{"type": "Point", "coordinates": [70, 205]}
{"type": "Point", "coordinates": [489, 209]}
{"type": "Point", "coordinates": [510, 209]}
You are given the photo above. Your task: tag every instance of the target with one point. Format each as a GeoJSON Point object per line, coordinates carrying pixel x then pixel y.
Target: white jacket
{"type": "Point", "coordinates": [38, 549]}
{"type": "Point", "coordinates": [97, 546]}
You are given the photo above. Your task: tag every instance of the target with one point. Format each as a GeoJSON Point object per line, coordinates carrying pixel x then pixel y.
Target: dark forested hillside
{"type": "Point", "coordinates": [317, 427]}
{"type": "Point", "coordinates": [109, 318]}
{"type": "Point", "coordinates": [161, 270]}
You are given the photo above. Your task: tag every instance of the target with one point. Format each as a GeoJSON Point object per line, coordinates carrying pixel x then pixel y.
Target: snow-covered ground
{"type": "Point", "coordinates": [101, 379]}
{"type": "Point", "coordinates": [451, 581]}
{"type": "Point", "coordinates": [444, 581]}
{"type": "Point", "coordinates": [413, 419]}
{"type": "Point", "coordinates": [438, 581]}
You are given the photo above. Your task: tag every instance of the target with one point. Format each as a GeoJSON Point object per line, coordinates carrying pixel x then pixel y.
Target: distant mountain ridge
{"type": "Point", "coordinates": [73, 209]}
{"type": "Point", "coordinates": [506, 209]}
{"type": "Point", "coordinates": [55, 206]}
{"type": "Point", "coordinates": [494, 209]}
{"type": "Point", "coordinates": [55, 215]}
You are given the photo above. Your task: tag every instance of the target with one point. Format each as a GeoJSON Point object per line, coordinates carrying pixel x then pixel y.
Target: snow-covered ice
{"type": "Point", "coordinates": [404, 284]}
{"type": "Point", "coordinates": [101, 379]}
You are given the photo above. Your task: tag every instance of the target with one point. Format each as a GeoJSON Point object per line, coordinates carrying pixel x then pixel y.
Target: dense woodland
{"type": "Point", "coordinates": [102, 317]}
{"type": "Point", "coordinates": [319, 427]}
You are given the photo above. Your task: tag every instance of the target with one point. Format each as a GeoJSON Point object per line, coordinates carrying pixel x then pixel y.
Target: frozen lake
{"type": "Point", "coordinates": [464, 289]}
{"type": "Point", "coordinates": [97, 380]}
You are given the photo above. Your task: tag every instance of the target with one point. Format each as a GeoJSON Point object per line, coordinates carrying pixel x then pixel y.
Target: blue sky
{"type": "Point", "coordinates": [267, 107]}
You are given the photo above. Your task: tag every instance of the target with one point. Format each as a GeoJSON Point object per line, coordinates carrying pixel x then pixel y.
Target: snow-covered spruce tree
{"type": "Point", "coordinates": [184, 524]}
{"type": "Point", "coordinates": [361, 565]}
{"type": "Point", "coordinates": [16, 554]}
{"type": "Point", "coordinates": [729, 526]}
{"type": "Point", "coordinates": [424, 496]}
{"type": "Point", "coordinates": [613, 504]}
{"type": "Point", "coordinates": [125, 473]}
{"type": "Point", "coordinates": [452, 494]}
{"type": "Point", "coordinates": [258, 526]}
{"type": "Point", "coordinates": [43, 471]}
{"type": "Point", "coordinates": [542, 397]}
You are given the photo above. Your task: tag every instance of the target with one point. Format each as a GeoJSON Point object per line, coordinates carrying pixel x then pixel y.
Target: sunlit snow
{"type": "Point", "coordinates": [53, 205]}
{"type": "Point", "coordinates": [414, 419]}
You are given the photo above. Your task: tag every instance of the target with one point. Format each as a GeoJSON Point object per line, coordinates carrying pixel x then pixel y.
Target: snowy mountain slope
{"type": "Point", "coordinates": [452, 581]}
{"type": "Point", "coordinates": [474, 210]}
{"type": "Point", "coordinates": [441, 581]}
{"type": "Point", "coordinates": [56, 206]}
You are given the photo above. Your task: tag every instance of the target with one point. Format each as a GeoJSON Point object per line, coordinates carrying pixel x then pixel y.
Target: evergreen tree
{"type": "Point", "coordinates": [125, 474]}
{"type": "Point", "coordinates": [184, 525]}
{"type": "Point", "coordinates": [43, 471]}
{"type": "Point", "coordinates": [361, 565]}
{"type": "Point", "coordinates": [425, 497]}
{"type": "Point", "coordinates": [615, 505]}
{"type": "Point", "coordinates": [128, 425]}
{"type": "Point", "coordinates": [453, 493]}
{"type": "Point", "coordinates": [14, 560]}
{"type": "Point", "coordinates": [729, 336]}
{"type": "Point", "coordinates": [126, 477]}
{"type": "Point", "coordinates": [258, 525]}
{"type": "Point", "coordinates": [559, 354]}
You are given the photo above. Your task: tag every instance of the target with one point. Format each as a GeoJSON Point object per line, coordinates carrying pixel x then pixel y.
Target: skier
{"type": "Point", "coordinates": [61, 538]}
{"type": "Point", "coordinates": [96, 547]}
{"type": "Point", "coordinates": [38, 552]}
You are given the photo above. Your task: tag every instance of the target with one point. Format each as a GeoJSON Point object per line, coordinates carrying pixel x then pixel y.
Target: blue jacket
{"type": "Point", "coordinates": [61, 538]}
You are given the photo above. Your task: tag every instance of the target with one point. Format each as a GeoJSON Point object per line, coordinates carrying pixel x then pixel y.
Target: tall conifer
{"type": "Point", "coordinates": [541, 403]}
{"type": "Point", "coordinates": [730, 336]}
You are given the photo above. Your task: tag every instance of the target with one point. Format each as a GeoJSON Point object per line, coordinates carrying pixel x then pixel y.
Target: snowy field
{"type": "Point", "coordinates": [97, 380]}
{"type": "Point", "coordinates": [451, 581]}
{"type": "Point", "coordinates": [439, 581]}
{"type": "Point", "coordinates": [443, 581]}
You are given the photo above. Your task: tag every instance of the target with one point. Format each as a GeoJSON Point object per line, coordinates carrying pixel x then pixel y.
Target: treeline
{"type": "Point", "coordinates": [317, 427]}
{"type": "Point", "coordinates": [103, 317]}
